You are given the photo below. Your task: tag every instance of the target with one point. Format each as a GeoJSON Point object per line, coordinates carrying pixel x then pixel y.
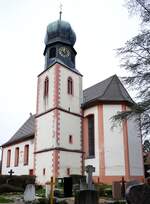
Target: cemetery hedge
{"type": "Point", "coordinates": [104, 190]}
{"type": "Point", "coordinates": [7, 188]}
{"type": "Point", "coordinates": [17, 181]}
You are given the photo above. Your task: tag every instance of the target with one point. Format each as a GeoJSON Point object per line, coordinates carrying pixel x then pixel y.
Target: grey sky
{"type": "Point", "coordinates": [100, 26]}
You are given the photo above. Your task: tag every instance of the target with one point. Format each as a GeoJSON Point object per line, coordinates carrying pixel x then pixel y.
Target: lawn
{"type": "Point", "coordinates": [5, 200]}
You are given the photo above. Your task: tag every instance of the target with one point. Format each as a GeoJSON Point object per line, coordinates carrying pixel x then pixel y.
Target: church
{"type": "Point", "coordinates": [72, 127]}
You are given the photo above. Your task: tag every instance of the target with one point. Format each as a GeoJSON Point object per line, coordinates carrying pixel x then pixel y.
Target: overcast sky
{"type": "Point", "coordinates": [101, 26]}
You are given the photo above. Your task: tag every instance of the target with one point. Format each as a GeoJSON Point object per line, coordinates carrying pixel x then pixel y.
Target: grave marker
{"type": "Point", "coordinates": [89, 170]}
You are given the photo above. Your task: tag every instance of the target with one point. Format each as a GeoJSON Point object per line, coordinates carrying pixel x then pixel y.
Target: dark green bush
{"type": "Point", "coordinates": [19, 181]}
{"type": "Point", "coordinates": [104, 189]}
{"type": "Point", "coordinates": [7, 188]}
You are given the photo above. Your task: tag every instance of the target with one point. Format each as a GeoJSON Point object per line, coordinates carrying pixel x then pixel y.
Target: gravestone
{"type": "Point", "coordinates": [116, 190]}
{"type": "Point", "coordinates": [131, 183]}
{"type": "Point", "coordinates": [29, 193]}
{"type": "Point", "coordinates": [11, 172]}
{"type": "Point", "coordinates": [47, 189]}
{"type": "Point", "coordinates": [89, 170]}
{"type": "Point", "coordinates": [138, 194]}
{"type": "Point", "coordinates": [89, 196]}
{"type": "Point", "coordinates": [67, 186]}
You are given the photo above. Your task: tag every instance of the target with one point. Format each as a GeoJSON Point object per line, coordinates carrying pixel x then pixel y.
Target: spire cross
{"type": "Point", "coordinates": [60, 13]}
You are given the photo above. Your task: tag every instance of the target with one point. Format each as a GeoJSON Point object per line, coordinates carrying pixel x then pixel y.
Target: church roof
{"type": "Point", "coordinates": [26, 131]}
{"type": "Point", "coordinates": [109, 90]}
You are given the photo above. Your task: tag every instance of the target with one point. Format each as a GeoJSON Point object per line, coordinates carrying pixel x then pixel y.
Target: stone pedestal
{"type": "Point", "coordinates": [87, 197]}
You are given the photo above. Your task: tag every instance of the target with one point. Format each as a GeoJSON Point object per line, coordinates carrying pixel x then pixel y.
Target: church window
{"type": "Point", "coordinates": [70, 139]}
{"type": "Point", "coordinates": [68, 171]}
{"type": "Point", "coordinates": [52, 52]}
{"type": "Point", "coordinates": [26, 154]}
{"type": "Point", "coordinates": [17, 156]}
{"type": "Point", "coordinates": [31, 172]}
{"type": "Point", "coordinates": [91, 140]}
{"type": "Point", "coordinates": [8, 157]}
{"type": "Point", "coordinates": [46, 86]}
{"type": "Point", "coordinates": [44, 171]}
{"type": "Point", "coordinates": [70, 86]}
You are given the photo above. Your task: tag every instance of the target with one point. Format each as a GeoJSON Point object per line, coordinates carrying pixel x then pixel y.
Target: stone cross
{"type": "Point", "coordinates": [11, 172]}
{"type": "Point", "coordinates": [89, 170]}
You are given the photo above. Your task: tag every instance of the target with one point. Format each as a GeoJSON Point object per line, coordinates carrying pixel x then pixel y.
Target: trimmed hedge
{"type": "Point", "coordinates": [19, 181]}
{"type": "Point", "coordinates": [7, 188]}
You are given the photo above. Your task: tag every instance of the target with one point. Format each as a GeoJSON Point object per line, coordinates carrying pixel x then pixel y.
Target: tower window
{"type": "Point", "coordinates": [52, 52]}
{"type": "Point", "coordinates": [17, 156]}
{"type": "Point", "coordinates": [26, 154]}
{"type": "Point", "coordinates": [70, 139]}
{"type": "Point", "coordinates": [91, 135]}
{"type": "Point", "coordinates": [44, 171]}
{"type": "Point", "coordinates": [46, 87]}
{"type": "Point", "coordinates": [70, 86]}
{"type": "Point", "coordinates": [68, 171]}
{"type": "Point", "coordinates": [8, 157]}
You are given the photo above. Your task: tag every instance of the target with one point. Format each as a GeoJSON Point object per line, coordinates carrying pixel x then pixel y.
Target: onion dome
{"type": "Point", "coordinates": [60, 31]}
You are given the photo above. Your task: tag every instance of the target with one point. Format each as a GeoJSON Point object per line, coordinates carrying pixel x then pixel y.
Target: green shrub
{"type": "Point", "coordinates": [104, 189]}
{"type": "Point", "coordinates": [7, 188]}
{"type": "Point", "coordinates": [19, 181]}
{"type": "Point", "coordinates": [40, 191]}
{"type": "Point", "coordinates": [43, 201]}
{"type": "Point", "coordinates": [5, 200]}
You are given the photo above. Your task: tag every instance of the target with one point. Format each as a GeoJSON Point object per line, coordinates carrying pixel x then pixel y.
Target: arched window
{"type": "Point", "coordinates": [52, 52]}
{"type": "Point", "coordinates": [70, 86]}
{"type": "Point", "coordinates": [46, 86]}
{"type": "Point", "coordinates": [91, 139]}
{"type": "Point", "coordinates": [17, 156]}
{"type": "Point", "coordinates": [8, 157]}
{"type": "Point", "coordinates": [26, 154]}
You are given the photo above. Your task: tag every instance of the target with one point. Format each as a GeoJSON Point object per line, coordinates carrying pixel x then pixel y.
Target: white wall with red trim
{"type": "Point", "coordinates": [45, 130]}
{"type": "Point", "coordinates": [21, 169]}
{"type": "Point", "coordinates": [45, 104]}
{"type": "Point", "coordinates": [69, 160]}
{"type": "Point", "coordinates": [94, 161]}
{"type": "Point", "coordinates": [44, 161]}
{"type": "Point", "coordinates": [113, 143]}
{"type": "Point", "coordinates": [68, 101]}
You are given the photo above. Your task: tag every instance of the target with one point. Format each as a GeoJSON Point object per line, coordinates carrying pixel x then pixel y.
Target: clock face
{"type": "Point", "coordinates": [64, 51]}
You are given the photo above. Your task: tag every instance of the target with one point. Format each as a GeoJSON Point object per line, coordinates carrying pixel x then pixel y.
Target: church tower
{"type": "Point", "coordinates": [58, 137]}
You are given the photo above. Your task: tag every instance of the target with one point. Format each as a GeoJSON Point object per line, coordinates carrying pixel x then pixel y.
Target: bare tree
{"type": "Point", "coordinates": [135, 58]}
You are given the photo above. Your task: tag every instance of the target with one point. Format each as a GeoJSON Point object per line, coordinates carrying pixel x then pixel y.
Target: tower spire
{"type": "Point", "coordinates": [60, 12]}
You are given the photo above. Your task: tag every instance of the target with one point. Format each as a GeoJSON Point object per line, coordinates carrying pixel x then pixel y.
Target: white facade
{"type": "Point", "coordinates": [21, 169]}
{"type": "Point", "coordinates": [113, 143]}
{"type": "Point", "coordinates": [58, 118]}
{"type": "Point", "coordinates": [94, 161]}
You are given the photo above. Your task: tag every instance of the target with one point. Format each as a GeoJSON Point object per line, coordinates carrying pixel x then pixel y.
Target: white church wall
{"type": "Point", "coordinates": [43, 161]}
{"type": "Point", "coordinates": [43, 104]}
{"type": "Point", "coordinates": [21, 169]}
{"type": "Point", "coordinates": [94, 161]}
{"type": "Point", "coordinates": [70, 125]}
{"type": "Point", "coordinates": [113, 143]}
{"type": "Point", "coordinates": [44, 137]}
{"type": "Point", "coordinates": [135, 149]}
{"type": "Point", "coordinates": [68, 101]}
{"type": "Point", "coordinates": [69, 160]}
